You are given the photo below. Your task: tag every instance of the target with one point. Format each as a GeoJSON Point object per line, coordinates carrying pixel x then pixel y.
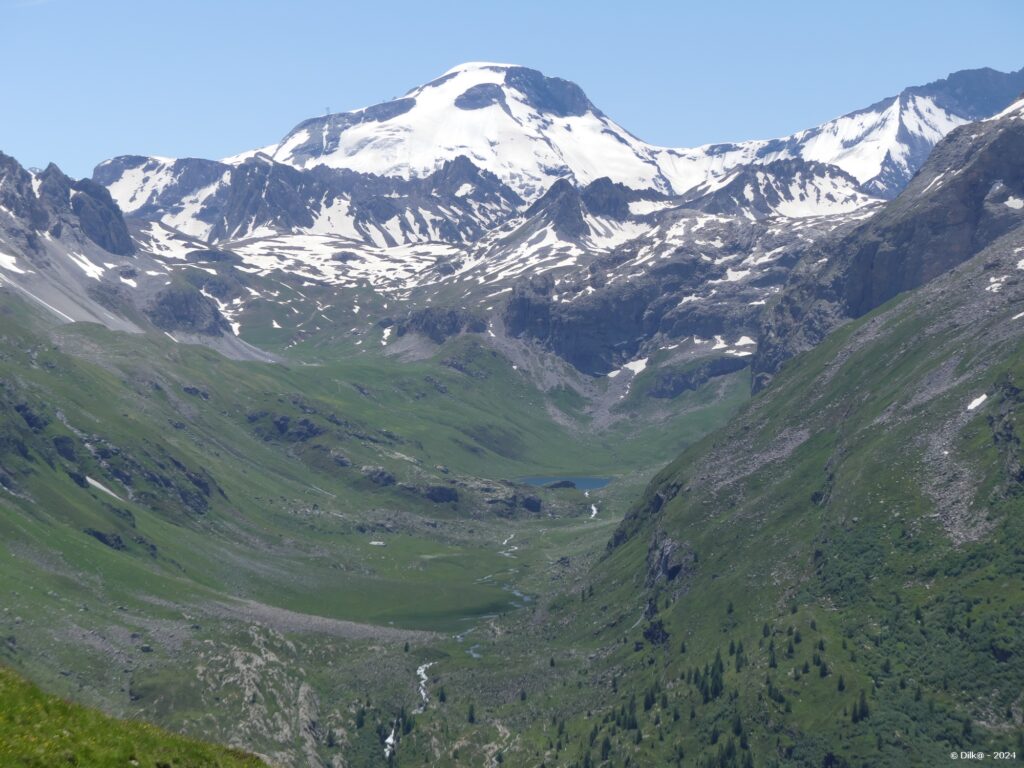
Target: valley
{"type": "Point", "coordinates": [284, 536]}
{"type": "Point", "coordinates": [391, 445]}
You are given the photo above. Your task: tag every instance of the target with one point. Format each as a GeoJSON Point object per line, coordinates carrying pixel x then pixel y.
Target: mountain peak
{"type": "Point", "coordinates": [469, 66]}
{"type": "Point", "coordinates": [526, 128]}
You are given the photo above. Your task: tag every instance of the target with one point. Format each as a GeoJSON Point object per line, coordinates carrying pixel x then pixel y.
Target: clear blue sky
{"type": "Point", "coordinates": [88, 79]}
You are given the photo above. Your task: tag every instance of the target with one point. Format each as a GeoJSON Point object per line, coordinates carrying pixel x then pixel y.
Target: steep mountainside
{"type": "Point", "coordinates": [969, 193]}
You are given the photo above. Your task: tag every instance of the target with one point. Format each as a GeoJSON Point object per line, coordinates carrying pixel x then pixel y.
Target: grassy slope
{"type": "Point", "coordinates": [39, 731]}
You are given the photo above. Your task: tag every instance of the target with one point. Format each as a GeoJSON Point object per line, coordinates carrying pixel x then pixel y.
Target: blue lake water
{"type": "Point", "coordinates": [581, 482]}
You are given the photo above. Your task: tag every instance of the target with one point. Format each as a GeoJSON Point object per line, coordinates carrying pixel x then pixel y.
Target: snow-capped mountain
{"type": "Point", "coordinates": [792, 188]}
{"type": "Point", "coordinates": [258, 197]}
{"type": "Point", "coordinates": [494, 191]}
{"type": "Point", "coordinates": [528, 130]}
{"type": "Point", "coordinates": [524, 131]}
{"type": "Point", "coordinates": [524, 127]}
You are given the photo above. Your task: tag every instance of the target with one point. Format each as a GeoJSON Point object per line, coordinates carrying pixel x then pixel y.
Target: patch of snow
{"type": "Point", "coordinates": [10, 263]}
{"type": "Point", "coordinates": [101, 487]}
{"type": "Point", "coordinates": [731, 276]}
{"type": "Point", "coordinates": [995, 284]}
{"type": "Point", "coordinates": [636, 366]}
{"type": "Point", "coordinates": [933, 182]}
{"type": "Point", "coordinates": [976, 402]}
{"type": "Point", "coordinates": [644, 207]}
{"type": "Point", "coordinates": [92, 270]}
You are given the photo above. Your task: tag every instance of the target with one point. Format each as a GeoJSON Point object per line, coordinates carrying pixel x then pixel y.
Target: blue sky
{"type": "Point", "coordinates": [88, 79]}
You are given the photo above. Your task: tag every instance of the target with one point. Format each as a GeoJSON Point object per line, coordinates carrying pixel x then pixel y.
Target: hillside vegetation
{"type": "Point", "coordinates": [41, 731]}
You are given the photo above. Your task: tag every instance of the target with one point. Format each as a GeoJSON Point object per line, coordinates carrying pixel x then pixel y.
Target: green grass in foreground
{"type": "Point", "coordinates": [41, 730]}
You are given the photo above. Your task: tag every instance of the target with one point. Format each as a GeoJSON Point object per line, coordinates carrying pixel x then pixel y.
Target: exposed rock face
{"type": "Point", "coordinates": [588, 332]}
{"type": "Point", "coordinates": [112, 540]}
{"type": "Point", "coordinates": [673, 382]}
{"type": "Point", "coordinates": [340, 459]}
{"type": "Point", "coordinates": [266, 192]}
{"type": "Point", "coordinates": [1005, 437]}
{"type": "Point", "coordinates": [507, 506]}
{"type": "Point", "coordinates": [603, 197]}
{"type": "Point", "coordinates": [297, 430]}
{"type": "Point", "coordinates": [962, 200]}
{"type": "Point", "coordinates": [457, 203]}
{"type": "Point", "coordinates": [16, 194]}
{"type": "Point", "coordinates": [441, 494]}
{"type": "Point", "coordinates": [439, 324]}
{"type": "Point", "coordinates": [939, 222]}
{"type": "Point", "coordinates": [551, 95]}
{"type": "Point", "coordinates": [561, 206]}
{"type": "Point", "coordinates": [480, 96]}
{"type": "Point", "coordinates": [58, 205]}
{"type": "Point", "coordinates": [183, 308]}
{"type": "Point", "coordinates": [529, 502]}
{"type": "Point", "coordinates": [378, 476]}
{"type": "Point", "coordinates": [648, 508]}
{"type": "Point", "coordinates": [782, 185]}
{"type": "Point", "coordinates": [655, 633]}
{"type": "Point", "coordinates": [100, 218]}
{"type": "Point", "coordinates": [668, 560]}
{"type": "Point", "coordinates": [598, 324]}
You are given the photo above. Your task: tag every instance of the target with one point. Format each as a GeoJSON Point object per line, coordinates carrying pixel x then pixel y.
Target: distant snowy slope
{"type": "Point", "coordinates": [529, 130]}
{"type": "Point", "coordinates": [470, 151]}
{"type": "Point", "coordinates": [259, 197]}
{"type": "Point", "coordinates": [524, 127]}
